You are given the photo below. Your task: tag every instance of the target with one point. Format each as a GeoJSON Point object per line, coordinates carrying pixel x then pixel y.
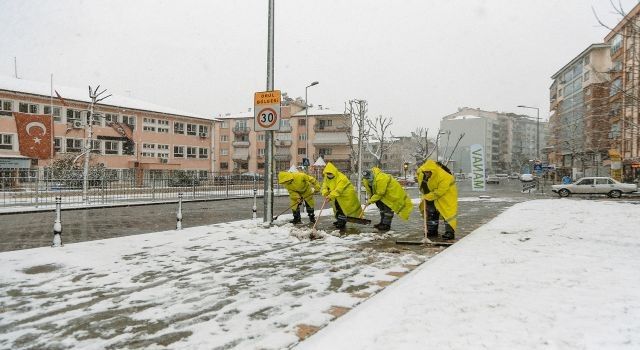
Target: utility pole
{"type": "Point", "coordinates": [269, 163]}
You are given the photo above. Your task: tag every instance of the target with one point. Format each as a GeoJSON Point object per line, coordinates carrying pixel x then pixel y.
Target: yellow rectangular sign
{"type": "Point", "coordinates": [267, 97]}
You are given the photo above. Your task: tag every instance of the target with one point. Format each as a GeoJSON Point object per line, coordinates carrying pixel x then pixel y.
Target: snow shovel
{"type": "Point", "coordinates": [426, 240]}
{"type": "Point", "coordinates": [291, 207]}
{"type": "Point", "coordinates": [360, 220]}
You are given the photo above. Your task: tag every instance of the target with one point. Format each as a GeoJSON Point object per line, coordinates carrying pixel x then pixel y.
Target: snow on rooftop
{"type": "Point", "coordinates": [318, 110]}
{"type": "Point", "coordinates": [240, 115]}
{"type": "Point", "coordinates": [76, 94]}
{"type": "Point", "coordinates": [462, 117]}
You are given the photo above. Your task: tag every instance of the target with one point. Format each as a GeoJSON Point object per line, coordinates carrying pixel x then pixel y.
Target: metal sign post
{"type": "Point", "coordinates": [268, 166]}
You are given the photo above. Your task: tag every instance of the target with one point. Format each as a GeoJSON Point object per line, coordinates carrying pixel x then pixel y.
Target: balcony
{"type": "Point", "coordinates": [285, 128]}
{"type": "Point", "coordinates": [282, 157]}
{"type": "Point", "coordinates": [283, 143]}
{"type": "Point", "coordinates": [334, 138]}
{"type": "Point", "coordinates": [241, 155]}
{"type": "Point", "coordinates": [240, 144]}
{"type": "Point", "coordinates": [331, 128]}
{"type": "Point", "coordinates": [336, 157]}
{"type": "Point", "coordinates": [241, 130]}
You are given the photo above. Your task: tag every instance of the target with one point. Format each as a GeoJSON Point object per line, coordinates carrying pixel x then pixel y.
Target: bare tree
{"type": "Point", "coordinates": [422, 145]}
{"type": "Point", "coordinates": [358, 129]}
{"type": "Point", "coordinates": [379, 133]}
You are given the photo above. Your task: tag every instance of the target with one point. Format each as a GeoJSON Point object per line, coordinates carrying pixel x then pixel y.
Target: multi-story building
{"type": "Point", "coordinates": [128, 134]}
{"type": "Point", "coordinates": [624, 96]}
{"type": "Point", "coordinates": [239, 148]}
{"type": "Point", "coordinates": [509, 139]}
{"type": "Point", "coordinates": [579, 127]}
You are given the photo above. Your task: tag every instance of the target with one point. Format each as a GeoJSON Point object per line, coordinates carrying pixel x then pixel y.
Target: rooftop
{"type": "Point", "coordinates": [317, 111]}
{"type": "Point", "coordinates": [82, 95]}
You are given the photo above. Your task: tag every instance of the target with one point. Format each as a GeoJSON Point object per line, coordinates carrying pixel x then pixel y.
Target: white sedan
{"type": "Point", "coordinates": [595, 185]}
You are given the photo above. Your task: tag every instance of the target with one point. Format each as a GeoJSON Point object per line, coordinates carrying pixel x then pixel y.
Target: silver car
{"type": "Point", "coordinates": [595, 185]}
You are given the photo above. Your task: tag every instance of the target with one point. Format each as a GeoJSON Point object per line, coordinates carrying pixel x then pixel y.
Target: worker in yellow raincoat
{"type": "Point", "coordinates": [388, 195]}
{"type": "Point", "coordinates": [337, 188]}
{"type": "Point", "coordinates": [301, 188]}
{"type": "Point", "coordinates": [439, 190]}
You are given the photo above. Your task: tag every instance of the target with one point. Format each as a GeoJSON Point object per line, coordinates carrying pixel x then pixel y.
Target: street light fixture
{"type": "Point", "coordinates": [306, 117]}
{"type": "Point", "coordinates": [537, 129]}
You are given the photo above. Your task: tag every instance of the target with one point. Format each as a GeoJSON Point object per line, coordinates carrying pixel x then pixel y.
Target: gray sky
{"type": "Point", "coordinates": [413, 60]}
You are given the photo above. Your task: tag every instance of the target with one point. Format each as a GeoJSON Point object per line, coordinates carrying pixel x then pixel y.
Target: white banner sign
{"type": "Point", "coordinates": [477, 168]}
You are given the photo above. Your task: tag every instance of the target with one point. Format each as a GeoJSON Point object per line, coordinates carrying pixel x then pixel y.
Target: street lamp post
{"type": "Point", "coordinates": [537, 129]}
{"type": "Point", "coordinates": [306, 117]}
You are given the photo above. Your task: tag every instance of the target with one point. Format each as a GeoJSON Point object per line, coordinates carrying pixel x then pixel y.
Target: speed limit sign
{"type": "Point", "coordinates": [267, 110]}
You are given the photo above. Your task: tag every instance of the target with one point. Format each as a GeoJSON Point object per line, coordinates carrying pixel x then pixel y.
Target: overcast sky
{"type": "Point", "coordinates": [413, 60]}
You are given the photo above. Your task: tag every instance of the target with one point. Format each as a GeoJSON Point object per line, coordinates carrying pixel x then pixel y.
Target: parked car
{"type": "Point", "coordinates": [182, 179]}
{"type": "Point", "coordinates": [526, 177]}
{"type": "Point", "coordinates": [595, 185]}
{"type": "Point", "coordinates": [502, 176]}
{"type": "Point", "coordinates": [492, 179]}
{"type": "Point", "coordinates": [514, 176]}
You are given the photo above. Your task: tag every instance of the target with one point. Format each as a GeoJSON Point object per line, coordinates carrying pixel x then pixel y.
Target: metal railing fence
{"type": "Point", "coordinates": [37, 188]}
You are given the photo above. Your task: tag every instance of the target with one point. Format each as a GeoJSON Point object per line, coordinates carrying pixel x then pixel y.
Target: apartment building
{"type": "Point", "coordinates": [624, 95]}
{"type": "Point", "coordinates": [509, 139]}
{"type": "Point", "coordinates": [128, 134]}
{"type": "Point", "coordinates": [579, 103]}
{"type": "Point", "coordinates": [240, 149]}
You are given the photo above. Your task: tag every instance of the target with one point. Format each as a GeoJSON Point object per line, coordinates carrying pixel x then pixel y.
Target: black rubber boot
{"type": "Point", "coordinates": [383, 227]}
{"type": "Point", "coordinates": [296, 218]}
{"type": "Point", "coordinates": [312, 218]}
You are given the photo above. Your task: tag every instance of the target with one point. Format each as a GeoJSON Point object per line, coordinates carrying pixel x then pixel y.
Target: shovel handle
{"type": "Point", "coordinates": [362, 211]}
{"type": "Point", "coordinates": [319, 215]}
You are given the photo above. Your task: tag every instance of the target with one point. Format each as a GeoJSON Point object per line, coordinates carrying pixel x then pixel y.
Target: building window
{"type": "Point", "coordinates": [73, 115]}
{"type": "Point", "coordinates": [74, 145]}
{"type": "Point", "coordinates": [224, 138]}
{"type": "Point", "coordinates": [163, 130]}
{"type": "Point", "coordinates": [56, 112]}
{"type": "Point", "coordinates": [57, 144]}
{"type": "Point", "coordinates": [6, 141]}
{"type": "Point", "coordinates": [94, 119]}
{"type": "Point", "coordinates": [203, 153]}
{"type": "Point", "coordinates": [6, 107]}
{"type": "Point", "coordinates": [224, 152]}
{"type": "Point", "coordinates": [111, 147]}
{"type": "Point", "coordinates": [110, 118]}
{"type": "Point", "coordinates": [585, 76]}
{"type": "Point", "coordinates": [129, 120]}
{"type": "Point", "coordinates": [302, 137]}
{"type": "Point", "coordinates": [148, 146]}
{"type": "Point", "coordinates": [163, 147]}
{"type": "Point", "coordinates": [261, 152]}
{"type": "Point", "coordinates": [301, 122]}
{"type": "Point", "coordinates": [96, 146]}
{"type": "Point", "coordinates": [224, 125]}
{"type": "Point", "coordinates": [616, 85]}
{"type": "Point", "coordinates": [302, 151]}
{"type": "Point", "coordinates": [31, 108]}
{"type": "Point", "coordinates": [149, 154]}
{"type": "Point", "coordinates": [163, 155]}
{"type": "Point", "coordinates": [324, 151]}
{"type": "Point", "coordinates": [203, 130]}
{"type": "Point", "coordinates": [178, 128]}
{"type": "Point", "coordinates": [178, 151]}
{"type": "Point", "coordinates": [616, 43]}
{"type": "Point", "coordinates": [163, 122]}
{"type": "Point", "coordinates": [586, 59]}
{"type": "Point", "coordinates": [192, 129]}
{"type": "Point", "coordinates": [192, 152]}
{"type": "Point", "coordinates": [224, 165]}
{"type": "Point", "coordinates": [260, 137]}
{"type": "Point", "coordinates": [149, 128]}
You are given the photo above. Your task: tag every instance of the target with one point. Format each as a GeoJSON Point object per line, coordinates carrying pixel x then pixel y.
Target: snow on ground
{"type": "Point", "coordinates": [226, 285]}
{"type": "Point", "coordinates": [545, 274]}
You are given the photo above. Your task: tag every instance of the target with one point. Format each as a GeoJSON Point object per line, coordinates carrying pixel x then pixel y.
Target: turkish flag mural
{"type": "Point", "coordinates": [35, 135]}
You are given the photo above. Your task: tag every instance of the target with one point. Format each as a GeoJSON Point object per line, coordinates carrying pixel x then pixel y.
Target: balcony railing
{"type": "Point", "coordinates": [283, 143]}
{"type": "Point", "coordinates": [241, 130]}
{"type": "Point", "coordinates": [334, 157]}
{"type": "Point", "coordinates": [240, 143]}
{"type": "Point", "coordinates": [330, 128]}
{"type": "Point", "coordinates": [282, 157]}
{"type": "Point", "coordinates": [240, 156]}
{"type": "Point", "coordinates": [285, 128]}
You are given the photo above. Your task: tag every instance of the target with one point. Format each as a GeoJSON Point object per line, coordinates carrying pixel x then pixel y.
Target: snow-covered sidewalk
{"type": "Point", "coordinates": [545, 274]}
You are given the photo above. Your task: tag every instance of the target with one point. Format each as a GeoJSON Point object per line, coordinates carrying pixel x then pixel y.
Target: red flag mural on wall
{"type": "Point", "coordinates": [35, 135]}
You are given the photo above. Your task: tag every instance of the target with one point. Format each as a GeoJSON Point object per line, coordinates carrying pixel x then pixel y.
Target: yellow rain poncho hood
{"type": "Point", "coordinates": [300, 186]}
{"type": "Point", "coordinates": [341, 190]}
{"type": "Point", "coordinates": [442, 191]}
{"type": "Point", "coordinates": [390, 192]}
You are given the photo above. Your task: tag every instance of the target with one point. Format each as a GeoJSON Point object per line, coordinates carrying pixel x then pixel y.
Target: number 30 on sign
{"type": "Point", "coordinates": [267, 110]}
